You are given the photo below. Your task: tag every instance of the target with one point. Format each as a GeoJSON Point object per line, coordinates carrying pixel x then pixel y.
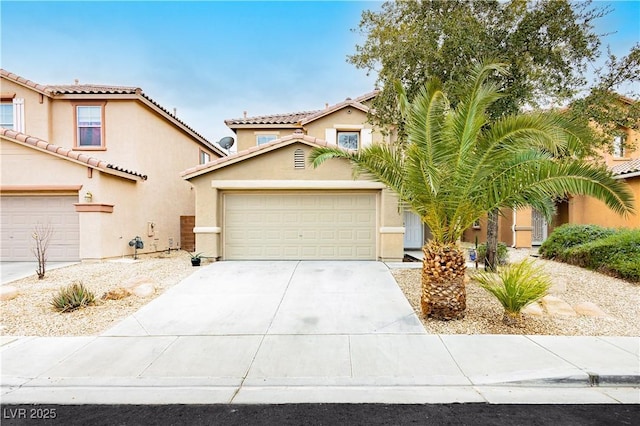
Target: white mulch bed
{"type": "Point", "coordinates": [619, 299]}
{"type": "Point", "coordinates": [31, 314]}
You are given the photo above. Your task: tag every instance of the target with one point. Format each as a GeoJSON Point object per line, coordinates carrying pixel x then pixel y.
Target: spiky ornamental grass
{"type": "Point", "coordinates": [72, 297]}
{"type": "Point", "coordinates": [515, 286]}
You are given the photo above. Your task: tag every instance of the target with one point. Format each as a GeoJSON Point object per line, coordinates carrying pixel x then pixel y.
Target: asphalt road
{"type": "Point", "coordinates": [322, 414]}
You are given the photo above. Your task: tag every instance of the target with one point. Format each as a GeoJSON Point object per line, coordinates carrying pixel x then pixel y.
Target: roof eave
{"type": "Point", "coordinates": [627, 175]}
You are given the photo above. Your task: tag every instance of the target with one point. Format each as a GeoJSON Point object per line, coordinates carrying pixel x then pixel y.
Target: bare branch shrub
{"type": "Point", "coordinates": [41, 238]}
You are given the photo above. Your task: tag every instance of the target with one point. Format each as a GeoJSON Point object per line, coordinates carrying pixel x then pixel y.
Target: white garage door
{"type": "Point", "coordinates": [20, 214]}
{"type": "Point", "coordinates": [292, 226]}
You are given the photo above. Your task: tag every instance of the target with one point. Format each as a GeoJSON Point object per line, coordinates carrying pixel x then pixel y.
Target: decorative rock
{"type": "Point", "coordinates": [8, 292]}
{"type": "Point", "coordinates": [116, 294]}
{"type": "Point", "coordinates": [534, 310]}
{"type": "Point", "coordinates": [144, 290]}
{"type": "Point", "coordinates": [137, 281]}
{"type": "Point", "coordinates": [589, 309]}
{"type": "Point", "coordinates": [557, 306]}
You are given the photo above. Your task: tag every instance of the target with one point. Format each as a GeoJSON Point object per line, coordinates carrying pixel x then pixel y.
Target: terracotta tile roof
{"type": "Point", "coordinates": [346, 103]}
{"type": "Point", "coordinates": [302, 117]}
{"type": "Point", "coordinates": [92, 89]}
{"type": "Point", "coordinates": [287, 118]}
{"type": "Point", "coordinates": [69, 154]}
{"type": "Point", "coordinates": [253, 151]}
{"type": "Point", "coordinates": [53, 90]}
{"type": "Point", "coordinates": [628, 167]}
{"type": "Point", "coordinates": [24, 81]}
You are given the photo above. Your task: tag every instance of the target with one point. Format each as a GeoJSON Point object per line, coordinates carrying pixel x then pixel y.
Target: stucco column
{"type": "Point", "coordinates": [391, 231]}
{"type": "Point", "coordinates": [208, 230]}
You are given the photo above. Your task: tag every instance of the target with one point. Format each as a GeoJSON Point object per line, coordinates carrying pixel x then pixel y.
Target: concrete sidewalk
{"type": "Point", "coordinates": [289, 332]}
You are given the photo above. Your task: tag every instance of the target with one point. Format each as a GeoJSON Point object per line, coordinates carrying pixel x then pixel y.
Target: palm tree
{"type": "Point", "coordinates": [456, 166]}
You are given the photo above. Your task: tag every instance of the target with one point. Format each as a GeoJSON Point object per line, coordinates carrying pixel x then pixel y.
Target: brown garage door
{"type": "Point", "coordinates": [292, 226]}
{"type": "Point", "coordinates": [20, 214]}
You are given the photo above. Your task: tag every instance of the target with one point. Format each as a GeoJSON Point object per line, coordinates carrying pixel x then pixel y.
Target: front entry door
{"type": "Point", "coordinates": [413, 231]}
{"type": "Point", "coordinates": [538, 228]}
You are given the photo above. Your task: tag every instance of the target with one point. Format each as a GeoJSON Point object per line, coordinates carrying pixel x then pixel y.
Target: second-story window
{"type": "Point", "coordinates": [262, 139]}
{"type": "Point", "coordinates": [6, 115]}
{"type": "Point", "coordinates": [204, 157]}
{"type": "Point", "coordinates": [348, 140]}
{"type": "Point", "coordinates": [618, 147]}
{"type": "Point", "coordinates": [89, 126]}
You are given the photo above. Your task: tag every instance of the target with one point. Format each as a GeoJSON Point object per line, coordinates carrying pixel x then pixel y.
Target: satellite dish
{"type": "Point", "coordinates": [226, 142]}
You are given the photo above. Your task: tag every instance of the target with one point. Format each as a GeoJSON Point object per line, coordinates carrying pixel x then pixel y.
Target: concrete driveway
{"type": "Point", "coordinates": [274, 332]}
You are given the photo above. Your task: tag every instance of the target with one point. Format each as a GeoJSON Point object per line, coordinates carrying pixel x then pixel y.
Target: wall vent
{"type": "Point", "coordinates": [298, 159]}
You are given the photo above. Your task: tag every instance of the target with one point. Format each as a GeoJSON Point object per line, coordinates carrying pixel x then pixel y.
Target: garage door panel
{"type": "Point", "coordinates": [300, 226]}
{"type": "Point", "coordinates": [21, 214]}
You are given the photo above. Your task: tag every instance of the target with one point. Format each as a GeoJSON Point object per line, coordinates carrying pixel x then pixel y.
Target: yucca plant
{"type": "Point", "coordinates": [515, 286]}
{"type": "Point", "coordinates": [72, 297]}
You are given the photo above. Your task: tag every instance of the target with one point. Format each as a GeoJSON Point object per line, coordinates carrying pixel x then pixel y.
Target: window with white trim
{"type": "Point", "coordinates": [89, 126]}
{"type": "Point", "coordinates": [204, 157]}
{"type": "Point", "coordinates": [6, 115]}
{"type": "Point", "coordinates": [348, 140]}
{"type": "Point", "coordinates": [618, 147]}
{"type": "Point", "coordinates": [262, 139]}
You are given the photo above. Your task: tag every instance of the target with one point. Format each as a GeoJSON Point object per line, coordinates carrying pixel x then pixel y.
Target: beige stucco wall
{"type": "Point", "coordinates": [346, 116]}
{"type": "Point", "coordinates": [246, 138]}
{"type": "Point", "coordinates": [137, 139]}
{"type": "Point", "coordinates": [37, 108]}
{"type": "Point", "coordinates": [587, 210]}
{"type": "Point", "coordinates": [277, 165]}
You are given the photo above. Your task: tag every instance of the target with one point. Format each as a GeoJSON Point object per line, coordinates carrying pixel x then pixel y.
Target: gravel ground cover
{"type": "Point", "coordinates": [619, 299]}
{"type": "Point", "coordinates": [30, 314]}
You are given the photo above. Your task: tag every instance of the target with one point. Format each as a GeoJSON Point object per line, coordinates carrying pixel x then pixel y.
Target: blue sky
{"type": "Point", "coordinates": [212, 60]}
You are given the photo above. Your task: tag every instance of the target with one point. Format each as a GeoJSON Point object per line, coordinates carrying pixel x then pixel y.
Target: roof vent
{"type": "Point", "coordinates": [244, 113]}
{"type": "Point", "coordinates": [298, 159]}
{"type": "Point", "coordinates": [326, 105]}
{"type": "Point", "coordinates": [76, 81]}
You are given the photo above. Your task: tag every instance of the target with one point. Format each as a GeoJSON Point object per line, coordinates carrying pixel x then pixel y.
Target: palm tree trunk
{"type": "Point", "coordinates": [443, 289]}
{"type": "Point", "coordinates": [490, 262]}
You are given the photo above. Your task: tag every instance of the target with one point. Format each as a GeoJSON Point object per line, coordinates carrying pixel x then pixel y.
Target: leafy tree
{"type": "Point", "coordinates": [546, 44]}
{"type": "Point", "coordinates": [458, 163]}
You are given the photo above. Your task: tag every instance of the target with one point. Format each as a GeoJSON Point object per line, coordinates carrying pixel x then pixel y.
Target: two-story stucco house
{"type": "Point", "coordinates": [99, 164]}
{"type": "Point", "coordinates": [528, 228]}
{"type": "Point", "coordinates": [267, 202]}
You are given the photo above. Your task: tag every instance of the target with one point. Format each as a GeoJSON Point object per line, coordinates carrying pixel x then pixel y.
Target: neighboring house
{"type": "Point", "coordinates": [100, 164]}
{"type": "Point", "coordinates": [528, 228]}
{"type": "Point", "coordinates": [267, 202]}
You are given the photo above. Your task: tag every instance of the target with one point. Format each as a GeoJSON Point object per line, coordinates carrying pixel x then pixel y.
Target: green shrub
{"type": "Point", "coordinates": [566, 236]}
{"type": "Point", "coordinates": [72, 297]}
{"type": "Point", "coordinates": [617, 255]}
{"type": "Point", "coordinates": [515, 286]}
{"type": "Point", "coordinates": [502, 254]}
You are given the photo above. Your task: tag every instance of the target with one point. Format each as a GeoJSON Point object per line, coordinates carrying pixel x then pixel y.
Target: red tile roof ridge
{"type": "Point", "coordinates": [251, 151]}
{"type": "Point", "coordinates": [22, 80]}
{"type": "Point", "coordinates": [56, 149]}
{"type": "Point", "coordinates": [90, 89]}
{"type": "Point", "coordinates": [346, 103]}
{"type": "Point", "coordinates": [301, 116]}
{"type": "Point", "coordinates": [281, 118]}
